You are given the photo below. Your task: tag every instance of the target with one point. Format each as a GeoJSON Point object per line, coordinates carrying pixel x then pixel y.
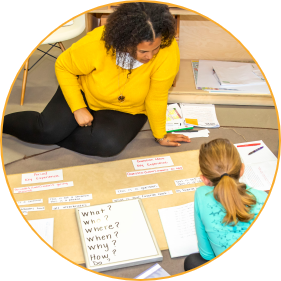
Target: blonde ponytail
{"type": "Point", "coordinates": [220, 163]}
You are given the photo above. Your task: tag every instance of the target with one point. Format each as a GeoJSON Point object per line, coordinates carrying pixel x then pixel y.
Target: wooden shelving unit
{"type": "Point", "coordinates": [198, 38]}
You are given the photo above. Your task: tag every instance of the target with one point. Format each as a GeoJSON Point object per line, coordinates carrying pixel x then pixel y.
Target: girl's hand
{"type": "Point", "coordinates": [173, 140]}
{"type": "Point", "coordinates": [83, 117]}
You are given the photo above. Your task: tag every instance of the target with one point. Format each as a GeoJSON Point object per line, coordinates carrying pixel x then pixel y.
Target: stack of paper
{"type": "Point", "coordinates": [260, 166]}
{"type": "Point", "coordinates": [174, 120]}
{"type": "Point", "coordinates": [242, 77]}
{"type": "Point", "coordinates": [237, 76]}
{"type": "Point", "coordinates": [200, 115]}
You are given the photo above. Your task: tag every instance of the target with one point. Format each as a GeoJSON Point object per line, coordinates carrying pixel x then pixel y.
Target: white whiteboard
{"type": "Point", "coordinates": [116, 235]}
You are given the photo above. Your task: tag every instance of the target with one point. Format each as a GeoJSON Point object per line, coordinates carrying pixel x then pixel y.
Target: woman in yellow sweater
{"type": "Point", "coordinates": [111, 81]}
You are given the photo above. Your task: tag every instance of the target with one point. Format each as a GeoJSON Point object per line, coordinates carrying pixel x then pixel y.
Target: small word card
{"type": "Point", "coordinates": [70, 198]}
{"type": "Point", "coordinates": [144, 196]}
{"type": "Point", "coordinates": [42, 187]}
{"type": "Point", "coordinates": [42, 177]}
{"type": "Point", "coordinates": [154, 171]}
{"type": "Point", "coordinates": [28, 202]}
{"type": "Point", "coordinates": [186, 189]}
{"type": "Point", "coordinates": [139, 188]}
{"type": "Point", "coordinates": [152, 162]}
{"type": "Point", "coordinates": [187, 181]}
{"type": "Point", "coordinates": [31, 209]}
{"type": "Point", "coordinates": [74, 206]}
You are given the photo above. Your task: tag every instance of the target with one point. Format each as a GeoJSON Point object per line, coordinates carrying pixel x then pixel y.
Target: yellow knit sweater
{"type": "Point", "coordinates": [146, 91]}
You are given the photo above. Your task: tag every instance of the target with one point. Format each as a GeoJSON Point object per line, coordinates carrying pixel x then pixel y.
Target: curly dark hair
{"type": "Point", "coordinates": [133, 23]}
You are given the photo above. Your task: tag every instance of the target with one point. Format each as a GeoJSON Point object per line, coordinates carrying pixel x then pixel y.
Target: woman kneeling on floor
{"type": "Point", "coordinates": [111, 81]}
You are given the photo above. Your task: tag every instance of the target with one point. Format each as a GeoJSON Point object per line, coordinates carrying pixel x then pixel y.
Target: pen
{"type": "Point", "coordinates": [250, 144]}
{"type": "Point", "coordinates": [255, 150]}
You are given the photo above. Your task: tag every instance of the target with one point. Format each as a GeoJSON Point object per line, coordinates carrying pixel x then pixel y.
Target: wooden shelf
{"type": "Point", "coordinates": [173, 10]}
{"type": "Point", "coordinates": [186, 92]}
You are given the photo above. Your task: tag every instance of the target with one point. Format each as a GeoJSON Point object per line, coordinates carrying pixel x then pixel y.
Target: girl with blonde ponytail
{"type": "Point", "coordinates": [224, 208]}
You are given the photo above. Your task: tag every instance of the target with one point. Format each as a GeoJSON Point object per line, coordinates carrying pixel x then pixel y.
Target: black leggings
{"type": "Point", "coordinates": [110, 132]}
{"type": "Point", "coordinates": [193, 260]}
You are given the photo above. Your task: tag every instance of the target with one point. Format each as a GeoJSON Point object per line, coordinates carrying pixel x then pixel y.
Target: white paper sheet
{"type": "Point", "coordinates": [205, 114]}
{"type": "Point", "coordinates": [179, 227]}
{"type": "Point", "coordinates": [238, 75]}
{"type": "Point", "coordinates": [260, 167]}
{"type": "Point", "coordinates": [207, 79]}
{"type": "Point", "coordinates": [45, 228]}
{"type": "Point", "coordinates": [155, 162]}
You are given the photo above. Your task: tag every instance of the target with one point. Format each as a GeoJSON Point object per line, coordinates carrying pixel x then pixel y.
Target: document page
{"type": "Point", "coordinates": [260, 166]}
{"type": "Point", "coordinates": [45, 228]}
{"type": "Point", "coordinates": [179, 227]}
{"type": "Point", "coordinates": [200, 115]}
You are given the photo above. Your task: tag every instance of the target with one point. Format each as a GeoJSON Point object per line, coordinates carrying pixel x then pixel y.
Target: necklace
{"type": "Point", "coordinates": [121, 98]}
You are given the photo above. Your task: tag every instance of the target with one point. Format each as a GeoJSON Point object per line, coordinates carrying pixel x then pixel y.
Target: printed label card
{"type": "Point", "coordinates": [155, 162]}
{"type": "Point", "coordinates": [42, 177]}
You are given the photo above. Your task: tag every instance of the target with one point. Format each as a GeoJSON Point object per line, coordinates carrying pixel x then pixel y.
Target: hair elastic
{"type": "Point", "coordinates": [225, 174]}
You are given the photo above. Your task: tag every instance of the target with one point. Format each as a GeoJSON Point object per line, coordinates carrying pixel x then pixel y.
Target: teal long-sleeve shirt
{"type": "Point", "coordinates": [213, 236]}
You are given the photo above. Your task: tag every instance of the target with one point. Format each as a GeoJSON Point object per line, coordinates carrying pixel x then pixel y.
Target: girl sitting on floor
{"type": "Point", "coordinates": [224, 208]}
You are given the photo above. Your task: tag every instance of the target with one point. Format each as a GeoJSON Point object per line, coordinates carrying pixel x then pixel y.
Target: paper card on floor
{"type": "Point", "coordinates": [155, 162]}
{"type": "Point", "coordinates": [179, 228]}
{"type": "Point", "coordinates": [32, 209]}
{"type": "Point", "coordinates": [153, 171]}
{"type": "Point", "coordinates": [188, 181]}
{"type": "Point", "coordinates": [72, 198]}
{"type": "Point", "coordinates": [66, 207]}
{"type": "Point", "coordinates": [186, 189]}
{"type": "Point", "coordinates": [42, 177]}
{"type": "Point", "coordinates": [163, 193]}
{"type": "Point", "coordinates": [138, 188]}
{"type": "Point", "coordinates": [28, 202]}
{"type": "Point", "coordinates": [45, 228]}
{"type": "Point", "coordinates": [42, 187]}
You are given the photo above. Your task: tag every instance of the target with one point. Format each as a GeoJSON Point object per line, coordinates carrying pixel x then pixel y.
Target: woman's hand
{"type": "Point", "coordinates": [173, 140]}
{"type": "Point", "coordinates": [83, 117]}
